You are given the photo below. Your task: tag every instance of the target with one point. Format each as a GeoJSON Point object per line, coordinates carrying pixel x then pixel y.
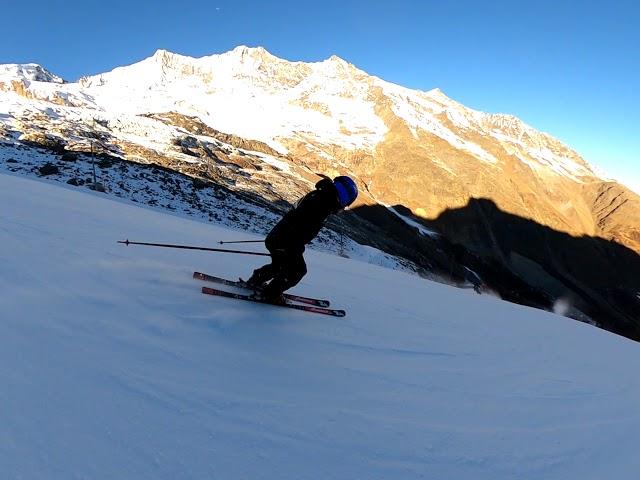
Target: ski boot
{"type": "Point", "coordinates": [278, 299]}
{"type": "Point", "coordinates": [271, 294]}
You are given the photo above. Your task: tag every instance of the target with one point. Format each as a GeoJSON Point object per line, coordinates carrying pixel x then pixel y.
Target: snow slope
{"type": "Point", "coordinates": [113, 365]}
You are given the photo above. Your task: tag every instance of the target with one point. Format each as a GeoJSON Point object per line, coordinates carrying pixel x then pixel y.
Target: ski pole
{"type": "Point", "coordinates": [188, 247]}
{"type": "Point", "coordinates": [221, 242]}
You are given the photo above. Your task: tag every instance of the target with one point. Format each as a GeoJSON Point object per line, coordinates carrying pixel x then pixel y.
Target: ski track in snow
{"type": "Point", "coordinates": [114, 365]}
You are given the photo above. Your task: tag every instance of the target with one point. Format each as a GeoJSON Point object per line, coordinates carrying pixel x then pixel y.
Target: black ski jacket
{"type": "Point", "coordinates": [301, 224]}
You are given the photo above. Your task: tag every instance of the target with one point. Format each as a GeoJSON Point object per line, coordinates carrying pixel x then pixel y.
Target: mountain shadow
{"type": "Point", "coordinates": [587, 278]}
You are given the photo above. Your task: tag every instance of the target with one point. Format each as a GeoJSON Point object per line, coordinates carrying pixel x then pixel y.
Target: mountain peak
{"type": "Point", "coordinates": [162, 53]}
{"type": "Point", "coordinates": [337, 66]}
{"type": "Point", "coordinates": [254, 53]}
{"type": "Point", "coordinates": [244, 49]}
{"type": "Point", "coordinates": [241, 53]}
{"type": "Point", "coordinates": [439, 95]}
{"type": "Point", "coordinates": [169, 59]}
{"type": "Point", "coordinates": [337, 59]}
{"type": "Point", "coordinates": [29, 71]}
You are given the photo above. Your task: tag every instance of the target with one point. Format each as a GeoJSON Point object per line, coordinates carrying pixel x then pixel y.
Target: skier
{"type": "Point", "coordinates": [473, 278]}
{"type": "Point", "coordinates": [286, 241]}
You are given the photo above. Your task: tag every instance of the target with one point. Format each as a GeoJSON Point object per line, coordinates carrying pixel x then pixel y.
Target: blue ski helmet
{"type": "Point", "coordinates": [347, 190]}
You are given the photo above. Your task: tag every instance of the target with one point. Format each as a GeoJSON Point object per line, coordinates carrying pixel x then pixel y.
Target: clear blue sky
{"type": "Point", "coordinates": [569, 68]}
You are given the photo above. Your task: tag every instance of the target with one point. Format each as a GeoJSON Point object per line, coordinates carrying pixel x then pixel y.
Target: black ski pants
{"type": "Point", "coordinates": [285, 271]}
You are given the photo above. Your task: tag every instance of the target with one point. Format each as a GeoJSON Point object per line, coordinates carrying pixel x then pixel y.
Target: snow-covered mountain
{"type": "Point", "coordinates": [262, 128]}
{"type": "Point", "coordinates": [29, 72]}
{"type": "Point", "coordinates": [332, 116]}
{"type": "Point", "coordinates": [251, 93]}
{"type": "Point", "coordinates": [113, 365]}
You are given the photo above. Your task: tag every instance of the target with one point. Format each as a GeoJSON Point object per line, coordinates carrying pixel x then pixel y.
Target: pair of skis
{"type": "Point", "coordinates": [297, 302]}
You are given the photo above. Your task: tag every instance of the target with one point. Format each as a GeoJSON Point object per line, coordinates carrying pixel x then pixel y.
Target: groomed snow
{"type": "Point", "coordinates": [114, 365]}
